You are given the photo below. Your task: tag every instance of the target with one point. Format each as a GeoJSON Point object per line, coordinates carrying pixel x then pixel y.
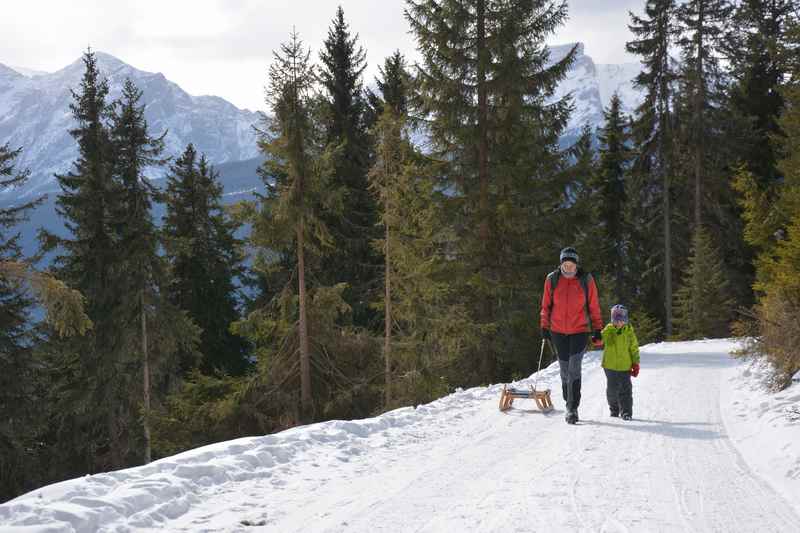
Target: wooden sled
{"type": "Point", "coordinates": [541, 397]}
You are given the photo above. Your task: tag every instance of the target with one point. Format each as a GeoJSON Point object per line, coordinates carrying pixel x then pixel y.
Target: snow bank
{"type": "Point", "coordinates": [396, 471]}
{"type": "Point", "coordinates": [764, 426]}
{"type": "Point", "coordinates": [152, 495]}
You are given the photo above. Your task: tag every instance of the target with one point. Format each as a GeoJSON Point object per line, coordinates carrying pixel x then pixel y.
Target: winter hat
{"type": "Point", "coordinates": [568, 254]}
{"type": "Point", "coordinates": [619, 314]}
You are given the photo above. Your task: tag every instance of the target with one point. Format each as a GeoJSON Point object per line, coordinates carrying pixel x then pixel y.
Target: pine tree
{"type": "Point", "coordinates": [772, 228]}
{"type": "Point", "coordinates": [296, 175]}
{"type": "Point", "coordinates": [703, 305]}
{"type": "Point", "coordinates": [417, 318]}
{"type": "Point", "coordinates": [385, 176]}
{"type": "Point", "coordinates": [351, 259]}
{"type": "Point", "coordinates": [23, 388]}
{"type": "Point", "coordinates": [707, 136]}
{"type": "Point", "coordinates": [653, 133]}
{"type": "Point", "coordinates": [702, 23]}
{"type": "Point", "coordinates": [583, 156]}
{"type": "Point", "coordinates": [394, 86]}
{"type": "Point", "coordinates": [753, 49]}
{"type": "Point", "coordinates": [482, 86]}
{"type": "Point", "coordinates": [152, 328]}
{"type": "Point", "coordinates": [89, 396]}
{"type": "Point", "coordinates": [611, 195]}
{"type": "Point", "coordinates": [760, 52]}
{"type": "Point", "coordinates": [18, 391]}
{"type": "Point", "coordinates": [205, 258]}
{"type": "Point", "coordinates": [581, 195]}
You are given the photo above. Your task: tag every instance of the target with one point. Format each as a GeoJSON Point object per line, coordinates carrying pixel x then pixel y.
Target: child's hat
{"type": "Point", "coordinates": [619, 314]}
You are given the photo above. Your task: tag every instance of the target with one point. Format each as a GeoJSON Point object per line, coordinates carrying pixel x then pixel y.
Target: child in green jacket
{"type": "Point", "coordinates": [620, 362]}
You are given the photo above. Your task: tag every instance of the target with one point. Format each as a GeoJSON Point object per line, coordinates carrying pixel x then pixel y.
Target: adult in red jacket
{"type": "Point", "coordinates": [570, 312]}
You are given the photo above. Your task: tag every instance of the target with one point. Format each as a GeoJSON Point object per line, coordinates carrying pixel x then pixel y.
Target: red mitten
{"type": "Point", "coordinates": [635, 369]}
{"type": "Point", "coordinates": [597, 339]}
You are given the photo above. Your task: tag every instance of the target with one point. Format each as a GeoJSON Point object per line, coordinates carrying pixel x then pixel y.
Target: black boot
{"type": "Point", "coordinates": [614, 412]}
{"type": "Point", "coordinates": [571, 417]}
{"type": "Point", "coordinates": [626, 416]}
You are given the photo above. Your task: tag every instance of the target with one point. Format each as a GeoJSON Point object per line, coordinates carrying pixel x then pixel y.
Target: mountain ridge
{"type": "Point", "coordinates": [34, 115]}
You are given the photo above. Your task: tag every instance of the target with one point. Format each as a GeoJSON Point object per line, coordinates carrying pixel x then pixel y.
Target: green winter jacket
{"type": "Point", "coordinates": [620, 347]}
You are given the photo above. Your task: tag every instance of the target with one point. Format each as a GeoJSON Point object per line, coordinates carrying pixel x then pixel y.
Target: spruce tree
{"type": "Point", "coordinates": [709, 135]}
{"type": "Point", "coordinates": [754, 45]}
{"type": "Point", "coordinates": [772, 228]}
{"type": "Point", "coordinates": [19, 423]}
{"type": "Point", "coordinates": [289, 222]}
{"type": "Point", "coordinates": [702, 23]}
{"type": "Point", "coordinates": [482, 86]}
{"type": "Point", "coordinates": [703, 304]}
{"type": "Point", "coordinates": [394, 86]}
{"type": "Point", "coordinates": [581, 194]}
{"type": "Point", "coordinates": [654, 34]}
{"type": "Point", "coordinates": [350, 259]}
{"type": "Point", "coordinates": [419, 323]}
{"type": "Point", "coordinates": [89, 397]}
{"type": "Point", "coordinates": [386, 174]}
{"type": "Point", "coordinates": [23, 383]}
{"type": "Point", "coordinates": [152, 329]}
{"type": "Point", "coordinates": [611, 196]}
{"type": "Point", "coordinates": [760, 51]}
{"type": "Point", "coordinates": [205, 259]}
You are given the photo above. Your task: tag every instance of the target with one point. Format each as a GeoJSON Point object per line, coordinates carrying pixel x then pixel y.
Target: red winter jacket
{"type": "Point", "coordinates": [568, 314]}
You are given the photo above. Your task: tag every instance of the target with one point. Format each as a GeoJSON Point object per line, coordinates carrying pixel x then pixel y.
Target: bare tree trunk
{"type": "Point", "coordinates": [305, 357]}
{"type": "Point", "coordinates": [664, 124]}
{"type": "Point", "coordinates": [488, 360]}
{"type": "Point", "coordinates": [146, 381]}
{"type": "Point", "coordinates": [114, 446]}
{"type": "Point", "coordinates": [113, 414]}
{"type": "Point", "coordinates": [699, 111]}
{"type": "Point", "coordinates": [667, 257]}
{"type": "Point", "coordinates": [387, 341]}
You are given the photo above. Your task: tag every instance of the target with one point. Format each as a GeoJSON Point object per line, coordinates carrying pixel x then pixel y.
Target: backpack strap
{"type": "Point", "coordinates": [585, 279]}
{"type": "Point", "coordinates": [553, 277]}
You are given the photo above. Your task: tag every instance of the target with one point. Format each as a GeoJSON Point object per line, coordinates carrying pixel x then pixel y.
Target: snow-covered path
{"type": "Point", "coordinates": [460, 465]}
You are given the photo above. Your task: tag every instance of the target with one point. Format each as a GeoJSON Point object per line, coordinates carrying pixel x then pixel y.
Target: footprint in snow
{"type": "Point", "coordinates": [253, 523]}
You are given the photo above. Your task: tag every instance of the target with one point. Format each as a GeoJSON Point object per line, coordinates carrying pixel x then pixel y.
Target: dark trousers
{"type": "Point", "coordinates": [619, 392]}
{"type": "Point", "coordinates": [570, 350]}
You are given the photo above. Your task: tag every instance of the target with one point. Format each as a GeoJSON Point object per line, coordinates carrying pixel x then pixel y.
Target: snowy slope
{"type": "Point", "coordinates": [693, 459]}
{"type": "Point", "coordinates": [27, 72]}
{"type": "Point", "coordinates": [34, 115]}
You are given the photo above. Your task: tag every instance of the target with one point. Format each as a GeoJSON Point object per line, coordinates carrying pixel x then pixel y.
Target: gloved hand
{"type": "Point", "coordinates": [597, 336]}
{"type": "Point", "coordinates": [635, 369]}
{"type": "Point", "coordinates": [546, 334]}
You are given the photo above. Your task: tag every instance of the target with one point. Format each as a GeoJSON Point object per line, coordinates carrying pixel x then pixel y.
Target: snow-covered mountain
{"type": "Point", "coordinates": [592, 85]}
{"type": "Point", "coordinates": [34, 114]}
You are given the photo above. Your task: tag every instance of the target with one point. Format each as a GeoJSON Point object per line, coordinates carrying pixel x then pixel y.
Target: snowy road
{"type": "Point", "coordinates": [460, 465]}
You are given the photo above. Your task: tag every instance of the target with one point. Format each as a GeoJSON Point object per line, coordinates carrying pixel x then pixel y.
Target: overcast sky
{"type": "Point", "coordinates": [223, 47]}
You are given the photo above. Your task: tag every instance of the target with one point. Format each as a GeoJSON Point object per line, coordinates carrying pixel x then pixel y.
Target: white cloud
{"type": "Point", "coordinates": [602, 25]}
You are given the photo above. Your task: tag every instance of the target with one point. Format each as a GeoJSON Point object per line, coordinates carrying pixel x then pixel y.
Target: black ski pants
{"type": "Point", "coordinates": [570, 350]}
{"type": "Point", "coordinates": [619, 392]}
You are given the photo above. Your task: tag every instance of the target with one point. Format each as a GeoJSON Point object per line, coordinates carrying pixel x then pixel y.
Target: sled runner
{"type": "Point", "coordinates": [540, 396]}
